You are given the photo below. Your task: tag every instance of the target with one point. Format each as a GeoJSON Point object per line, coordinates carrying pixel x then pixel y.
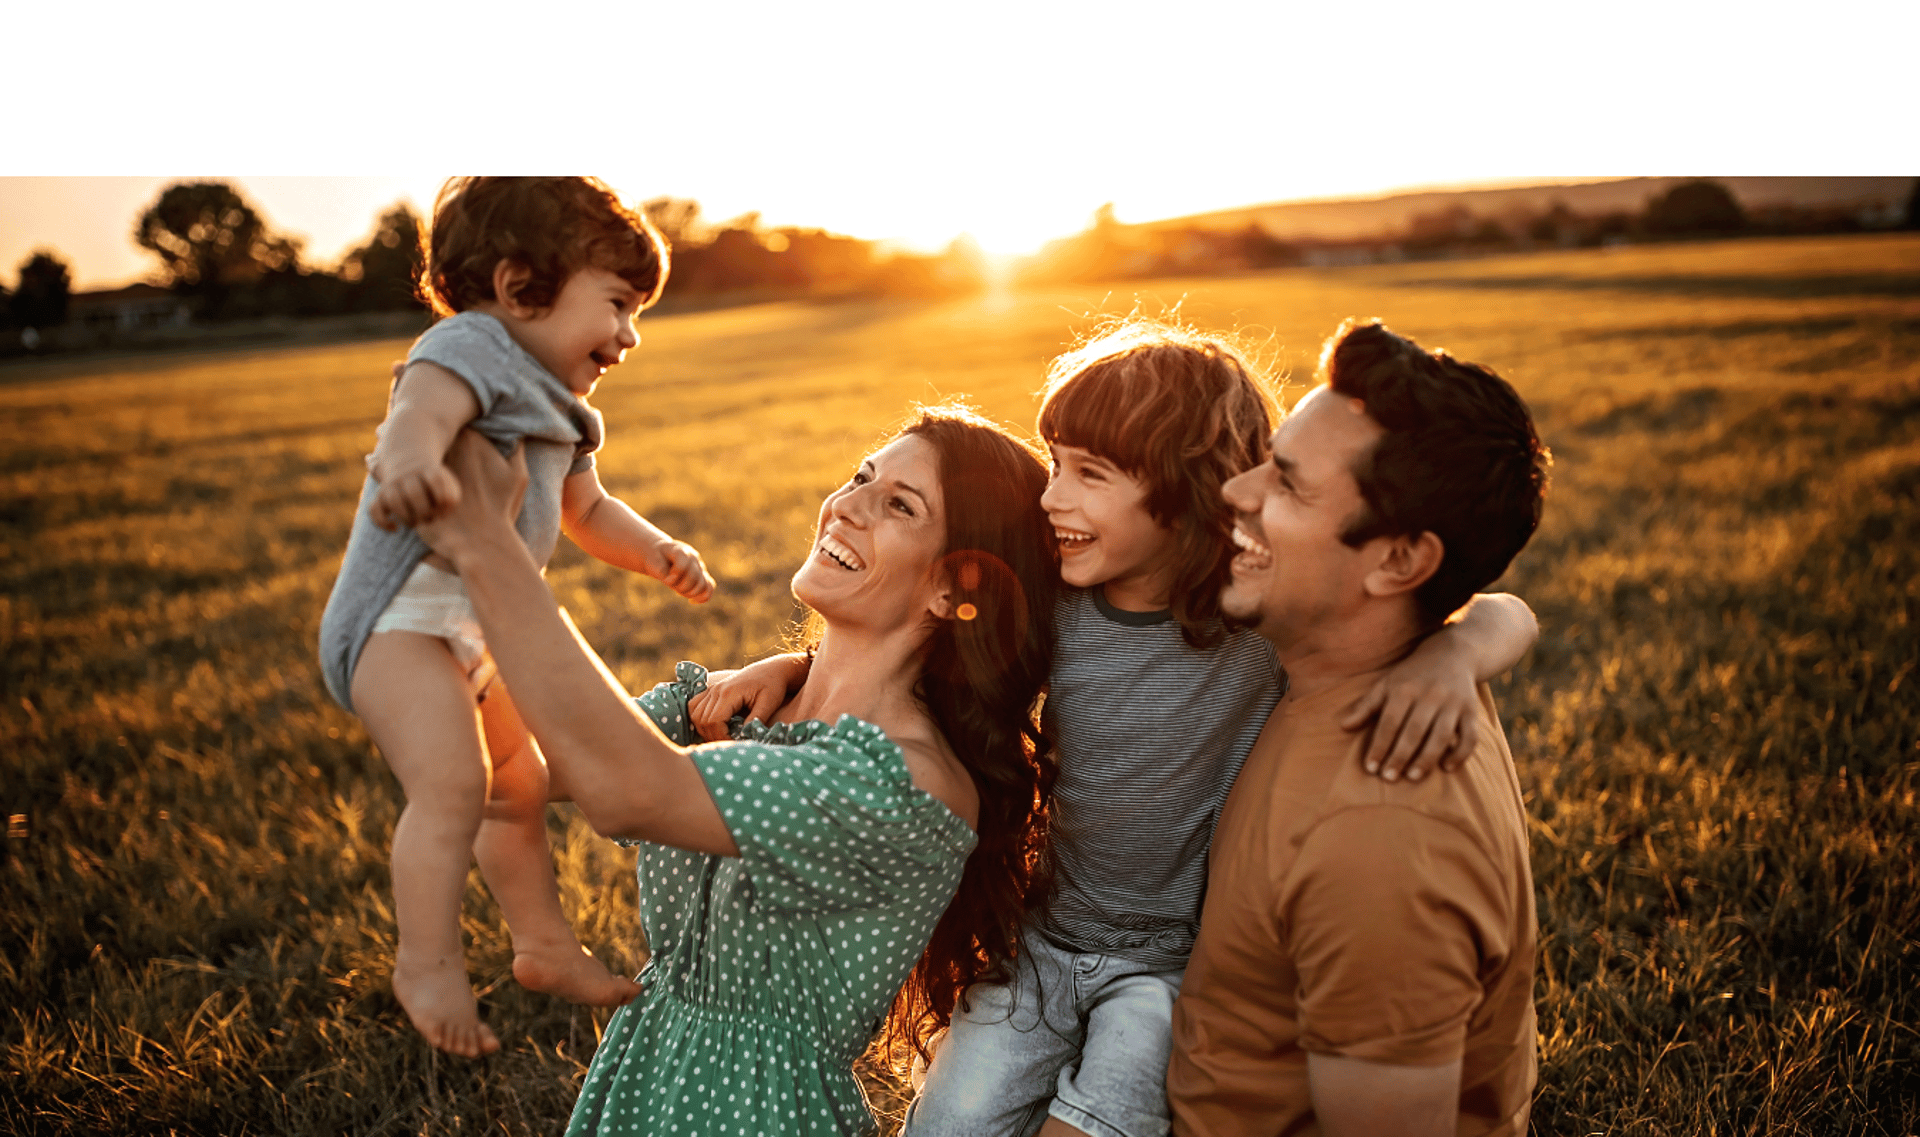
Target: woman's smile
{"type": "Point", "coordinates": [837, 552]}
{"type": "Point", "coordinates": [878, 539]}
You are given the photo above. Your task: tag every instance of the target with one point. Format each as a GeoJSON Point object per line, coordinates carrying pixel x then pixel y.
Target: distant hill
{"type": "Point", "coordinates": [1339, 219]}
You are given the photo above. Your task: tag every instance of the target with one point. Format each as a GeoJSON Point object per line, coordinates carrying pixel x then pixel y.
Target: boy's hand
{"type": "Point", "coordinates": [414, 497]}
{"type": "Point", "coordinates": [682, 570]}
{"type": "Point", "coordinates": [756, 690]}
{"type": "Point", "coordinates": [1427, 709]}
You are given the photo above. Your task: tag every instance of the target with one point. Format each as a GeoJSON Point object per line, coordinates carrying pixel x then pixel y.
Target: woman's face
{"type": "Point", "coordinates": [877, 549]}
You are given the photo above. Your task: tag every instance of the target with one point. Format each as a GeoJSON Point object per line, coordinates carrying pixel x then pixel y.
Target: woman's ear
{"type": "Point", "coordinates": [509, 280]}
{"type": "Point", "coordinates": [1406, 562]}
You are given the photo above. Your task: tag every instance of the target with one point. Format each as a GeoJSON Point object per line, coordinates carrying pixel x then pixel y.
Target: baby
{"type": "Point", "coordinates": [540, 280]}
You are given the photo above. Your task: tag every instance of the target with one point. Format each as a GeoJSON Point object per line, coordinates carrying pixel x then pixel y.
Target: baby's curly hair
{"type": "Point", "coordinates": [553, 226]}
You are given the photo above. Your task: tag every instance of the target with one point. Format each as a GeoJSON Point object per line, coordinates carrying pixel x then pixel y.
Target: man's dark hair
{"type": "Point", "coordinates": [1460, 459]}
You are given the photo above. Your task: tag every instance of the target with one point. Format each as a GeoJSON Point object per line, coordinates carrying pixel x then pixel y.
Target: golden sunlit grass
{"type": "Point", "coordinates": [1719, 732]}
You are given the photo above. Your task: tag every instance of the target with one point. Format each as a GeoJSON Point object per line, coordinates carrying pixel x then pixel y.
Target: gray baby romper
{"type": "Point", "coordinates": [519, 401]}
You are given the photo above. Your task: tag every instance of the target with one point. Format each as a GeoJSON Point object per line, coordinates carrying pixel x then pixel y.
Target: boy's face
{"type": "Point", "coordinates": [1107, 537]}
{"type": "Point", "coordinates": [587, 330]}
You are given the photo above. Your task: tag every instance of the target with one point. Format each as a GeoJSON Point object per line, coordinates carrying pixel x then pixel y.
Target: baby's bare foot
{"type": "Point", "coordinates": [572, 974]}
{"type": "Point", "coordinates": [438, 1000]}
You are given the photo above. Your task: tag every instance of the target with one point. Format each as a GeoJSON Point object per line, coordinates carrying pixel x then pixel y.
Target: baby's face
{"type": "Point", "coordinates": [587, 330]}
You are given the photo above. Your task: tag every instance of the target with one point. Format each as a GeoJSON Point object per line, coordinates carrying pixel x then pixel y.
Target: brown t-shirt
{"type": "Point", "coordinates": [1391, 922]}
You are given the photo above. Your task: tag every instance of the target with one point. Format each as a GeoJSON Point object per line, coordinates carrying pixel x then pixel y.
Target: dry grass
{"type": "Point", "coordinates": [1719, 731]}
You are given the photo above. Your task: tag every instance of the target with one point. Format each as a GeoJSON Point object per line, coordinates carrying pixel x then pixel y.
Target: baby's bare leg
{"type": "Point", "coordinates": [513, 854]}
{"type": "Point", "coordinates": [415, 702]}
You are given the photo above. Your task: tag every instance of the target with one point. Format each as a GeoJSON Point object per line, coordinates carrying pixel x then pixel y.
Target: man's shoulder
{"type": "Point", "coordinates": [1467, 826]}
{"type": "Point", "coordinates": [1304, 779]}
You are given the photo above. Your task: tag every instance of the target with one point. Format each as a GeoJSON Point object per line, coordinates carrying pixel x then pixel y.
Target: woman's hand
{"type": "Point", "coordinates": [756, 690]}
{"type": "Point", "coordinates": [491, 489]}
{"type": "Point", "coordinates": [1427, 712]}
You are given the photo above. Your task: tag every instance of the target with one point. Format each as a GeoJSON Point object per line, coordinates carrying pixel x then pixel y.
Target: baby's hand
{"type": "Point", "coordinates": [1427, 709]}
{"type": "Point", "coordinates": [414, 497]}
{"type": "Point", "coordinates": [681, 569]}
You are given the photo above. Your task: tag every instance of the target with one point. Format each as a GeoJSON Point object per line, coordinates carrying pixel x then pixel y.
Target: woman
{"type": "Point", "coordinates": [883, 827]}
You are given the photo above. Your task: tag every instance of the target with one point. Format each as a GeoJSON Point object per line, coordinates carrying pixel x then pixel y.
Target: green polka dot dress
{"type": "Point", "coordinates": [772, 970]}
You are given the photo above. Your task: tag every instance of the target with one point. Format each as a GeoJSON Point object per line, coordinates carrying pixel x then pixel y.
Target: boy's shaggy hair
{"type": "Point", "coordinates": [553, 226]}
{"type": "Point", "coordinates": [1183, 412]}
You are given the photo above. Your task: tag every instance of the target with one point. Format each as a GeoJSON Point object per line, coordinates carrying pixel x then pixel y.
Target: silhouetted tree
{"type": "Point", "coordinates": [1487, 231]}
{"type": "Point", "coordinates": [209, 239]}
{"type": "Point", "coordinates": [738, 258]}
{"type": "Point", "coordinates": [385, 272]}
{"type": "Point", "coordinates": [1439, 228]}
{"type": "Point", "coordinates": [1264, 250]}
{"type": "Point", "coordinates": [827, 262]}
{"type": "Point", "coordinates": [1695, 208]}
{"type": "Point", "coordinates": [1618, 225]}
{"type": "Point", "coordinates": [1558, 223]}
{"type": "Point", "coordinates": [678, 219]}
{"type": "Point", "coordinates": [45, 286]}
{"type": "Point", "coordinates": [289, 290]}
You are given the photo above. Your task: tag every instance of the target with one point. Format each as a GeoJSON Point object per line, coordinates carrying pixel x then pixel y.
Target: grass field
{"type": "Point", "coordinates": [1719, 732]}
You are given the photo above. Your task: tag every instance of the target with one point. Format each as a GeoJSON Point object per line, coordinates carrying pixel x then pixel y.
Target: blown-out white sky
{"type": "Point", "coordinates": [1008, 120]}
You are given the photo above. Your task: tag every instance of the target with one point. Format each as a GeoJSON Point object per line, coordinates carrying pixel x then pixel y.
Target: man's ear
{"type": "Point", "coordinates": [509, 280]}
{"type": "Point", "coordinates": [1405, 563]}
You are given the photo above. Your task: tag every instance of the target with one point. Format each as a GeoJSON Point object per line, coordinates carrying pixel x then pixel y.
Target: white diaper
{"type": "Point", "coordinates": [433, 602]}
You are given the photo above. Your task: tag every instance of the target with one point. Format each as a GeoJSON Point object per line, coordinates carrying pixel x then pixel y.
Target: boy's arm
{"type": "Point", "coordinates": [608, 529]}
{"type": "Point", "coordinates": [1427, 705]}
{"type": "Point", "coordinates": [430, 405]}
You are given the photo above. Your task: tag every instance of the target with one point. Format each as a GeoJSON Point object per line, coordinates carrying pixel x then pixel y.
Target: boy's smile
{"type": "Point", "coordinates": [588, 329]}
{"type": "Point", "coordinates": [1106, 535]}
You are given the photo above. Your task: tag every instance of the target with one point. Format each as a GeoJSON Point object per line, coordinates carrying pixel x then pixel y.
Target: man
{"type": "Point", "coordinates": [1365, 958]}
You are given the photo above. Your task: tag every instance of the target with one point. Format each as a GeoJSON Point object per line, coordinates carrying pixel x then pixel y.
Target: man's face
{"type": "Point", "coordinates": [1293, 571]}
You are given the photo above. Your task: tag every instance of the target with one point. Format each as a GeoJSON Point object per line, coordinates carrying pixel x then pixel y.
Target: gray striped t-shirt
{"type": "Point", "coordinates": [1151, 734]}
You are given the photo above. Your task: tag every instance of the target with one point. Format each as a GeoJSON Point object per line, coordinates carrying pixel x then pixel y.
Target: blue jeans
{"type": "Point", "coordinates": [1081, 1037]}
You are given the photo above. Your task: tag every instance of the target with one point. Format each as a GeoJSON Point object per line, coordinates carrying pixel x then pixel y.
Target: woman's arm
{"type": "Point", "coordinates": [625, 776]}
{"type": "Point", "coordinates": [1427, 704]}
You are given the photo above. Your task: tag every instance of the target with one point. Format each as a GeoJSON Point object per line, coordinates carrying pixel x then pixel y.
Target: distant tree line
{"type": "Point", "coordinates": [1689, 210]}
{"type": "Point", "coordinates": [217, 251]}
{"type": "Point", "coordinates": [223, 262]}
{"type": "Point", "coordinates": [743, 256]}
{"type": "Point", "coordinates": [1107, 250]}
{"type": "Point", "coordinates": [219, 260]}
